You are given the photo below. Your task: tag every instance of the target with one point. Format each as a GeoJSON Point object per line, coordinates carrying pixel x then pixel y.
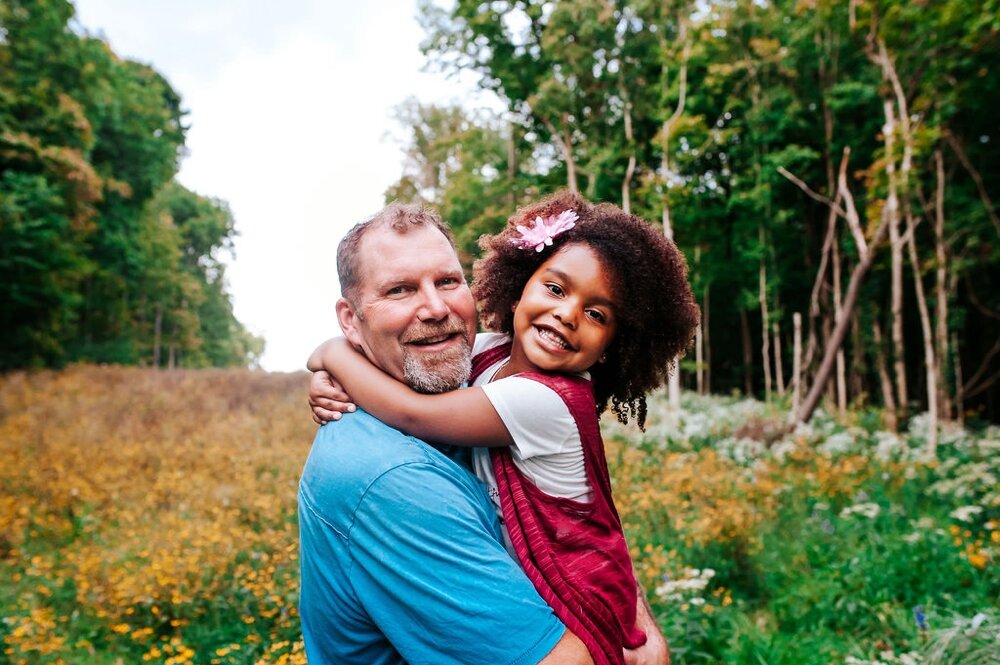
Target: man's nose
{"type": "Point", "coordinates": [432, 306]}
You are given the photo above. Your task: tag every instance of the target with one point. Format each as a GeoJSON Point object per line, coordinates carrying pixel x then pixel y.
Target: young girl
{"type": "Point", "coordinates": [589, 305]}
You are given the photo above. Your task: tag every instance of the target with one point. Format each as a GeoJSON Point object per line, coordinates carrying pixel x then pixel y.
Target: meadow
{"type": "Point", "coordinates": [149, 516]}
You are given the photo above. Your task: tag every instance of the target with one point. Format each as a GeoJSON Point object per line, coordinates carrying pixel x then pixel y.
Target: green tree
{"type": "Point", "coordinates": [102, 256]}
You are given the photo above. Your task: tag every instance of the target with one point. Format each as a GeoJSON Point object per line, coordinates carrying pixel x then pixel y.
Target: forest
{"type": "Point", "coordinates": [827, 167]}
{"type": "Point", "coordinates": [104, 256]}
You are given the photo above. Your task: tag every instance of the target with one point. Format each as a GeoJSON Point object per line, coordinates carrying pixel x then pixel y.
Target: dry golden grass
{"type": "Point", "coordinates": [154, 504]}
{"type": "Point", "coordinates": [150, 516]}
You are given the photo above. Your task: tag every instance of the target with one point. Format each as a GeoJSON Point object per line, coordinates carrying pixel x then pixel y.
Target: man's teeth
{"type": "Point", "coordinates": [552, 337]}
{"type": "Point", "coordinates": [431, 340]}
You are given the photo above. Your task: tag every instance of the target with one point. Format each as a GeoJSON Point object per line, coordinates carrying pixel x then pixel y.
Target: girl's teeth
{"type": "Point", "coordinates": [552, 337]}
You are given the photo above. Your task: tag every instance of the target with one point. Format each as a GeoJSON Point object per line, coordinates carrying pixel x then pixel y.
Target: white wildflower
{"type": "Point", "coordinates": [837, 444]}
{"type": "Point", "coordinates": [888, 445]}
{"type": "Point", "coordinates": [965, 513]}
{"type": "Point", "coordinates": [869, 510]}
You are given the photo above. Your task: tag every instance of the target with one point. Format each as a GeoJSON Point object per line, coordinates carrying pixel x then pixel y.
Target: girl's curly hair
{"type": "Point", "coordinates": [657, 313]}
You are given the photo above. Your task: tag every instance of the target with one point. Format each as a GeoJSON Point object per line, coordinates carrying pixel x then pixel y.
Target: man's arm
{"type": "Point", "coordinates": [569, 650]}
{"type": "Point", "coordinates": [655, 651]}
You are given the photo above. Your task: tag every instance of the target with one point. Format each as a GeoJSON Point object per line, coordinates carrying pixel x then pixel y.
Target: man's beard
{"type": "Point", "coordinates": [444, 372]}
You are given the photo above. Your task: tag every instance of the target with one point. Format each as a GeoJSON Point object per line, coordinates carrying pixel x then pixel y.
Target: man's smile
{"type": "Point", "coordinates": [434, 342]}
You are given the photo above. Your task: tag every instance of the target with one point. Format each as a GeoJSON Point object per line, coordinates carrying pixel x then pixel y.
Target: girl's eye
{"type": "Point", "coordinates": [597, 315]}
{"type": "Point", "coordinates": [555, 289]}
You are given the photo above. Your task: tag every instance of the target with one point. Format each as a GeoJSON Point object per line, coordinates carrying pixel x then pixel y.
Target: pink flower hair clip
{"type": "Point", "coordinates": [540, 234]}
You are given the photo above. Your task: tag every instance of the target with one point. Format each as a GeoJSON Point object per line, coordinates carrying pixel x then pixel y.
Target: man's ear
{"type": "Point", "coordinates": [348, 319]}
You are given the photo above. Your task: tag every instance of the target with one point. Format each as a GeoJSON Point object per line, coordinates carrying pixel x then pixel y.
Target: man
{"type": "Point", "coordinates": [401, 553]}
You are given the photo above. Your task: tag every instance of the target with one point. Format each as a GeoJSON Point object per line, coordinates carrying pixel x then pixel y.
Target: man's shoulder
{"type": "Point", "coordinates": [359, 443]}
{"type": "Point", "coordinates": [349, 455]}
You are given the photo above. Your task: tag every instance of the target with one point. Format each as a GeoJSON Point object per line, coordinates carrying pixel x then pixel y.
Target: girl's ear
{"type": "Point", "coordinates": [514, 306]}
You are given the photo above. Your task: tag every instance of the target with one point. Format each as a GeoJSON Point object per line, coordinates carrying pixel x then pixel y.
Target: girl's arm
{"type": "Point", "coordinates": [460, 417]}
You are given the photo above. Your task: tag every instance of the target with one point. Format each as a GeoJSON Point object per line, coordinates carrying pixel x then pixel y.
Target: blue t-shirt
{"type": "Point", "coordinates": [402, 560]}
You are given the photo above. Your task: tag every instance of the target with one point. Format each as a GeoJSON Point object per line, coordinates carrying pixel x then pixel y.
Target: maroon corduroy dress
{"type": "Point", "coordinates": [573, 552]}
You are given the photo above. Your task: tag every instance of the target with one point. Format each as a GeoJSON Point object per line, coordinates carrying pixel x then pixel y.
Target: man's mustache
{"type": "Point", "coordinates": [423, 332]}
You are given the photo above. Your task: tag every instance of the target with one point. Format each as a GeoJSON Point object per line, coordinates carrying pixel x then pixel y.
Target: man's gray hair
{"type": "Point", "coordinates": [400, 217]}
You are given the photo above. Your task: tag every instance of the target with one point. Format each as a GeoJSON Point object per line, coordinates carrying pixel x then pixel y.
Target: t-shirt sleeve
{"type": "Point", "coordinates": [487, 340]}
{"type": "Point", "coordinates": [435, 578]}
{"type": "Point", "coordinates": [536, 417]}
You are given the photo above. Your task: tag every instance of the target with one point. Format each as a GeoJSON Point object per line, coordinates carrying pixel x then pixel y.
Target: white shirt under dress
{"type": "Point", "coordinates": [547, 447]}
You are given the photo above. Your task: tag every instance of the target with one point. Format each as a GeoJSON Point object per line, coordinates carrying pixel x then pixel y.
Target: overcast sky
{"type": "Point", "coordinates": [290, 113]}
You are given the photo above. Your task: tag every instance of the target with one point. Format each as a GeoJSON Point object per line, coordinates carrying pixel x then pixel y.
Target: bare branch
{"type": "Point", "coordinates": [985, 385]}
{"type": "Point", "coordinates": [962, 157]}
{"type": "Point", "coordinates": [978, 304]}
{"type": "Point", "coordinates": [837, 337]}
{"type": "Point", "coordinates": [853, 219]}
{"type": "Point", "coordinates": [970, 388]}
{"type": "Point", "coordinates": [816, 196]}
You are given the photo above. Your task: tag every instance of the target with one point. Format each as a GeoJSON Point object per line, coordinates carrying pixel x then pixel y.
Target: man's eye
{"type": "Point", "coordinates": [396, 291]}
{"type": "Point", "coordinates": [449, 281]}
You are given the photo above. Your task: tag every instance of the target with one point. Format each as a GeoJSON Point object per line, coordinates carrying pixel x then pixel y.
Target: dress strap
{"type": "Point", "coordinates": [485, 359]}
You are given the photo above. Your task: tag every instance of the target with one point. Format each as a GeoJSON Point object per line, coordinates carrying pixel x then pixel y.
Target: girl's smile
{"type": "Point", "coordinates": [565, 318]}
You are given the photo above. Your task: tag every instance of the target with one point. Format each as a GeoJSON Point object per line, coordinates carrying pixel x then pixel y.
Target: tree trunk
{"type": "Point", "coordinates": [511, 166]}
{"type": "Point", "coordinates": [878, 53]}
{"type": "Point", "coordinates": [674, 379]}
{"type": "Point", "coordinates": [838, 313]}
{"type": "Point", "coordinates": [706, 329]}
{"type": "Point", "coordinates": [930, 364]}
{"type": "Point", "coordinates": [959, 393]}
{"type": "Point", "coordinates": [698, 361]}
{"type": "Point", "coordinates": [941, 289]}
{"type": "Point", "coordinates": [896, 249]}
{"type": "Point", "coordinates": [747, 354]}
{"type": "Point", "coordinates": [885, 381]}
{"type": "Point", "coordinates": [867, 255]}
{"type": "Point", "coordinates": [765, 332]}
{"type": "Point", "coordinates": [157, 331]}
{"type": "Point", "coordinates": [856, 383]}
{"type": "Point", "coordinates": [796, 362]}
{"type": "Point", "coordinates": [571, 179]}
{"type": "Point", "coordinates": [669, 123]}
{"type": "Point", "coordinates": [778, 366]}
{"type": "Point", "coordinates": [630, 141]}
{"type": "Point", "coordinates": [566, 143]}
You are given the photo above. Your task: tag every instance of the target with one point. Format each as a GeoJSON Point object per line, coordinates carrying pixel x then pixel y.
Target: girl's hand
{"type": "Point", "coordinates": [327, 398]}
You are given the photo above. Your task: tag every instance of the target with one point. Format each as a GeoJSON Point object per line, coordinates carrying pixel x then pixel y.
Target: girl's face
{"type": "Point", "coordinates": [566, 316]}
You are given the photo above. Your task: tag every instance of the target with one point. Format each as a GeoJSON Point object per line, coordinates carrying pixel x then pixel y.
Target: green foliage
{"type": "Point", "coordinates": [103, 257]}
{"type": "Point", "coordinates": [816, 545]}
{"type": "Point", "coordinates": [764, 85]}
